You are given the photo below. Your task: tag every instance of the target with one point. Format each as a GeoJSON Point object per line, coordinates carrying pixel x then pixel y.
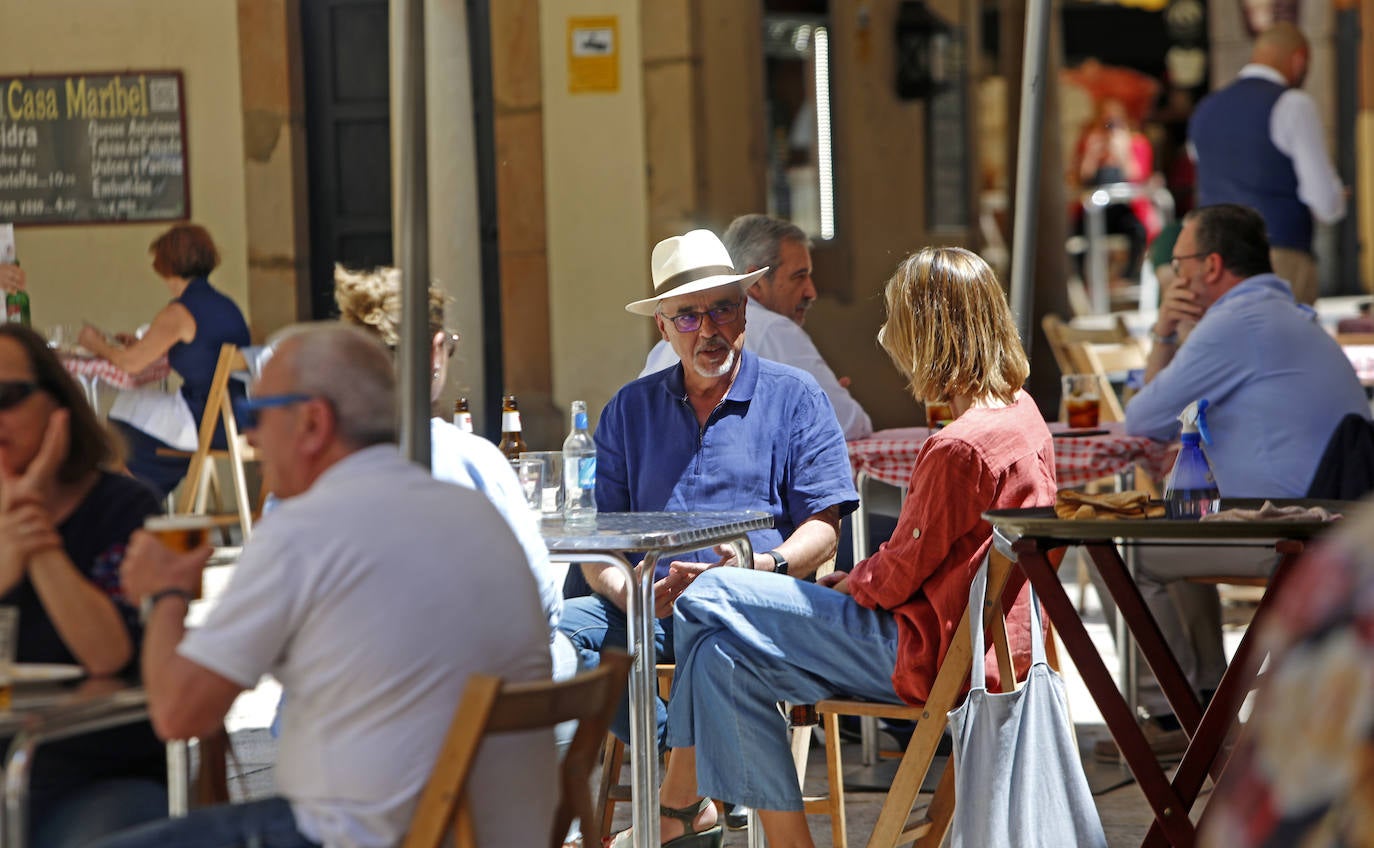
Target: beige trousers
{"type": "Point", "coordinates": [1299, 268]}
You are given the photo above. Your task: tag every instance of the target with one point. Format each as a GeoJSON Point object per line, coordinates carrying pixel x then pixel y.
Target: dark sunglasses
{"type": "Point", "coordinates": [15, 392]}
{"type": "Point", "coordinates": [246, 409]}
{"type": "Point", "coordinates": [690, 322]}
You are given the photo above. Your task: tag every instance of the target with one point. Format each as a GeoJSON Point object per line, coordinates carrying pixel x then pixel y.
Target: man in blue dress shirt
{"type": "Point", "coordinates": [1277, 385]}
{"type": "Point", "coordinates": [720, 430]}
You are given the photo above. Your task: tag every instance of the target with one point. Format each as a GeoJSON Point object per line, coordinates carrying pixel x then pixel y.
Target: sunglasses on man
{"type": "Point", "coordinates": [690, 322]}
{"type": "Point", "coordinates": [246, 409]}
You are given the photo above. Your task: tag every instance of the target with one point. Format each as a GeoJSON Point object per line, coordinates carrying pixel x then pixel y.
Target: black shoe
{"type": "Point", "coordinates": [736, 816]}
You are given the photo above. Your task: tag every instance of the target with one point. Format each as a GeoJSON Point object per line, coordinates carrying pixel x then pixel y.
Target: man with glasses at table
{"type": "Point", "coordinates": [721, 430]}
{"type": "Point", "coordinates": [1277, 385]}
{"type": "Point", "coordinates": [372, 593]}
{"type": "Point", "coordinates": [776, 307]}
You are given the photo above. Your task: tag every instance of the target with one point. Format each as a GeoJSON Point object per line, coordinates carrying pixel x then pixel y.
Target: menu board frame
{"type": "Point", "coordinates": [71, 165]}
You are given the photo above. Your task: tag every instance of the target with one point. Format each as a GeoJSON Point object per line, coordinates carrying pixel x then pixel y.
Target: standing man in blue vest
{"type": "Point", "coordinates": [1258, 142]}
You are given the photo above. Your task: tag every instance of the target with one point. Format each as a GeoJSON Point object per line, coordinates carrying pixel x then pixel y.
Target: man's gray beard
{"type": "Point", "coordinates": [719, 371]}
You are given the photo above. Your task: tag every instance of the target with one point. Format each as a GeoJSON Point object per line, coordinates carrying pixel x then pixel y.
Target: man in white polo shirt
{"type": "Point", "coordinates": [372, 593]}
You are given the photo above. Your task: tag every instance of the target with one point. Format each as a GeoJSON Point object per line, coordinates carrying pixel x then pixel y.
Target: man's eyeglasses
{"type": "Point", "coordinates": [246, 409]}
{"type": "Point", "coordinates": [690, 322]}
{"type": "Point", "coordinates": [15, 392]}
{"type": "Point", "coordinates": [1175, 261]}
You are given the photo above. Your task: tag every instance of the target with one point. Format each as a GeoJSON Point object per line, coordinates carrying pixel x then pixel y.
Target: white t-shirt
{"type": "Point", "coordinates": [472, 461]}
{"type": "Point", "coordinates": [372, 597]}
{"type": "Point", "coordinates": [779, 338]}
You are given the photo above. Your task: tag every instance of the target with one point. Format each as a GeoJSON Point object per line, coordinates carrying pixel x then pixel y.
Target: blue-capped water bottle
{"type": "Point", "coordinates": [579, 471]}
{"type": "Point", "coordinates": [1190, 491]}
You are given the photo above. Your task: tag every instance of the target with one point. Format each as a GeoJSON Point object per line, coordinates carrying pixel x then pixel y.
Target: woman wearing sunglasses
{"type": "Point", "coordinates": [64, 521]}
{"type": "Point", "coordinates": [189, 331]}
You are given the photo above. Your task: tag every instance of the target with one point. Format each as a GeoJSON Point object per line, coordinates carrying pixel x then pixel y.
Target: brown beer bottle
{"type": "Point", "coordinates": [512, 443]}
{"type": "Point", "coordinates": [462, 416]}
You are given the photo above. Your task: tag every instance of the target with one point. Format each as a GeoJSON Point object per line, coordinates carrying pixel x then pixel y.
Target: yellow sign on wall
{"type": "Point", "coordinates": [593, 55]}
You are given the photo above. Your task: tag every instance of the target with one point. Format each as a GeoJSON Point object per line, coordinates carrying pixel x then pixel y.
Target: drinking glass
{"type": "Point", "coordinates": [181, 533]}
{"type": "Point", "coordinates": [529, 470]}
{"type": "Point", "coordinates": [550, 483]}
{"type": "Point", "coordinates": [938, 413]}
{"type": "Point", "coordinates": [1082, 400]}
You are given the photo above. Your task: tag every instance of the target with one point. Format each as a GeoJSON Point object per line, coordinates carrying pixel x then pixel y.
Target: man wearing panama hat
{"type": "Point", "coordinates": [720, 430]}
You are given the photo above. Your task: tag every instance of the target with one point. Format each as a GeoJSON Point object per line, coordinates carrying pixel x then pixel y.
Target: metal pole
{"type": "Point", "coordinates": [412, 239]}
{"type": "Point", "coordinates": [1035, 58]}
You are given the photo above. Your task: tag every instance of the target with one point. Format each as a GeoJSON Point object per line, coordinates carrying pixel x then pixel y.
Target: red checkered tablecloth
{"type": "Point", "coordinates": [1362, 359]}
{"type": "Point", "coordinates": [888, 455]}
{"type": "Point", "coordinates": [94, 367]}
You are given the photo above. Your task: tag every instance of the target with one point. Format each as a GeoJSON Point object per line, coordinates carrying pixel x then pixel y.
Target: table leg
{"type": "Point", "coordinates": [644, 744]}
{"type": "Point", "coordinates": [1170, 813]}
{"type": "Point", "coordinates": [178, 778]}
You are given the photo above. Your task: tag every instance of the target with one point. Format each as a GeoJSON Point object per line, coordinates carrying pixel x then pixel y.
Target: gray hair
{"type": "Point", "coordinates": [755, 241]}
{"type": "Point", "coordinates": [348, 367]}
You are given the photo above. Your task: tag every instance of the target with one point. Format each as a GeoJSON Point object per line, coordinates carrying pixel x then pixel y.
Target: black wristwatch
{"type": "Point", "coordinates": [779, 562]}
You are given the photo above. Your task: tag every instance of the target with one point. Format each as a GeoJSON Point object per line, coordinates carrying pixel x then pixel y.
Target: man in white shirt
{"type": "Point", "coordinates": [778, 302]}
{"type": "Point", "coordinates": [1258, 142]}
{"type": "Point", "coordinates": [372, 593]}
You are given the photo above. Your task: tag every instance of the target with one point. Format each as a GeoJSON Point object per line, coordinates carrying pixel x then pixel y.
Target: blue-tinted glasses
{"type": "Point", "coordinates": [690, 322]}
{"type": "Point", "coordinates": [246, 409]}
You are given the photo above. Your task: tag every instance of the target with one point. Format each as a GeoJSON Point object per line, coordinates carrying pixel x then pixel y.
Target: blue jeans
{"type": "Point", "coordinates": [262, 824]}
{"type": "Point", "coordinates": [750, 639]}
{"type": "Point", "coordinates": [592, 622]}
{"type": "Point", "coordinates": [79, 817]}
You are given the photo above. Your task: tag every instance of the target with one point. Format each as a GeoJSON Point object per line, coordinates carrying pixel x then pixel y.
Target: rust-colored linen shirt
{"type": "Point", "coordinates": [986, 459]}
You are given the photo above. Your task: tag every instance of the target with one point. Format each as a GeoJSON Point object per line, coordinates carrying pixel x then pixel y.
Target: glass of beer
{"type": "Point", "coordinates": [181, 533]}
{"type": "Point", "coordinates": [1082, 400]}
{"type": "Point", "coordinates": [938, 413]}
{"type": "Point", "coordinates": [9, 639]}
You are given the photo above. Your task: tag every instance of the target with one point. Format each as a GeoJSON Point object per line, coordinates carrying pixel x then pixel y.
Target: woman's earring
{"type": "Point", "coordinates": [436, 374]}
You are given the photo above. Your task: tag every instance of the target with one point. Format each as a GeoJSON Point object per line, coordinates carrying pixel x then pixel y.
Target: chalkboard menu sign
{"type": "Point", "coordinates": [93, 148]}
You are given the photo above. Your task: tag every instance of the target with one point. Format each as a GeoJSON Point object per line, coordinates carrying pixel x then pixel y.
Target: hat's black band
{"type": "Point", "coordinates": [691, 275]}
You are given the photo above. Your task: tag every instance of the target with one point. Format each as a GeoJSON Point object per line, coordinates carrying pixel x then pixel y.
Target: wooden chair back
{"type": "Point", "coordinates": [489, 706]}
{"type": "Point", "coordinates": [1062, 334]}
{"type": "Point", "coordinates": [219, 410]}
{"type": "Point", "coordinates": [1104, 360]}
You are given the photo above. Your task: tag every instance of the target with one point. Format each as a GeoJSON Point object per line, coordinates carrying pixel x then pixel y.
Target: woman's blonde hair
{"type": "Point", "coordinates": [949, 329]}
{"type": "Point", "coordinates": [372, 300]}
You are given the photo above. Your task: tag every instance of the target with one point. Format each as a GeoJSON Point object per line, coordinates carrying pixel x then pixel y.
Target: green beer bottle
{"type": "Point", "coordinates": [17, 308]}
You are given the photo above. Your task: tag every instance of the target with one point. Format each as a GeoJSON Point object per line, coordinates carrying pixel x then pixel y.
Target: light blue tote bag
{"type": "Point", "coordinates": [1018, 780]}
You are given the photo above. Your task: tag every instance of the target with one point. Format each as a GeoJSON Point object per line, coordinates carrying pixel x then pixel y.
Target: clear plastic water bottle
{"type": "Point", "coordinates": [1190, 491]}
{"type": "Point", "coordinates": [579, 471]}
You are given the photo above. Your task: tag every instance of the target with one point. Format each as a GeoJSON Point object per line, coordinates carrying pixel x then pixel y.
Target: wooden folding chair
{"type": "Point", "coordinates": [610, 791]}
{"type": "Point", "coordinates": [488, 707]}
{"type": "Point", "coordinates": [201, 475]}
{"type": "Point", "coordinates": [1105, 359]}
{"type": "Point", "coordinates": [931, 717]}
{"type": "Point", "coordinates": [1061, 334]}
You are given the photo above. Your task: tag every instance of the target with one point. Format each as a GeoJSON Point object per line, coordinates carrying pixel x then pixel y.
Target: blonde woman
{"type": "Point", "coordinates": [372, 300]}
{"type": "Point", "coordinates": [747, 639]}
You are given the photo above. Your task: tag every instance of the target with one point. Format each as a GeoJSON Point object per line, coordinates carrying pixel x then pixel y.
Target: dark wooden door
{"type": "Point", "coordinates": [348, 135]}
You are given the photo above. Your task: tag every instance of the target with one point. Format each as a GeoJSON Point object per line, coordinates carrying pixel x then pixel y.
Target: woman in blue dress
{"type": "Point", "coordinates": [189, 332]}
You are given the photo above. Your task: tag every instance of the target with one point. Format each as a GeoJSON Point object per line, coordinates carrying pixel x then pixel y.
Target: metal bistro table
{"type": "Point", "coordinates": [46, 713]}
{"type": "Point", "coordinates": [655, 534]}
{"type": "Point", "coordinates": [1029, 535]}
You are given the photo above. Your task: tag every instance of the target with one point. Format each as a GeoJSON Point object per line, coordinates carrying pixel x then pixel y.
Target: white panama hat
{"type": "Point", "coordinates": [690, 263]}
